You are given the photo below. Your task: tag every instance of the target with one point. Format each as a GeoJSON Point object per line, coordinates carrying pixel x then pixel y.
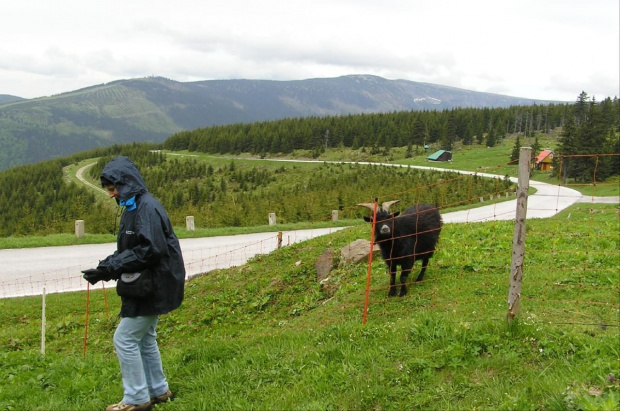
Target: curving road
{"type": "Point", "coordinates": [80, 176]}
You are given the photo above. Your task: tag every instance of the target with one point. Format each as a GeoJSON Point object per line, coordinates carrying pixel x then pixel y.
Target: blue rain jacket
{"type": "Point", "coordinates": [145, 240]}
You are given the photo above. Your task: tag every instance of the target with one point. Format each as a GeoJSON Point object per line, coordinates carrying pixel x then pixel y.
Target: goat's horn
{"type": "Point", "coordinates": [368, 205]}
{"type": "Point", "coordinates": [387, 204]}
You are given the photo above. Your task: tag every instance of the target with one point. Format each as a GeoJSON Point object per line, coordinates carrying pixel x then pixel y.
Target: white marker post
{"type": "Point", "coordinates": [43, 322]}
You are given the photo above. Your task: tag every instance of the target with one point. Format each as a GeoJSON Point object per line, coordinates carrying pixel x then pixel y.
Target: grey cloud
{"type": "Point", "coordinates": [321, 52]}
{"type": "Point", "coordinates": [52, 62]}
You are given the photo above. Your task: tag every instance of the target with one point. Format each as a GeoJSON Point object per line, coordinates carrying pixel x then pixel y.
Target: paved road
{"type": "Point", "coordinates": [80, 176]}
{"type": "Point", "coordinates": [546, 202]}
{"type": "Point", "coordinates": [27, 271]}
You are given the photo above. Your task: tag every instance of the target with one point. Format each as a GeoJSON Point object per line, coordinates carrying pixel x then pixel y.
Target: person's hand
{"type": "Point", "coordinates": [94, 275]}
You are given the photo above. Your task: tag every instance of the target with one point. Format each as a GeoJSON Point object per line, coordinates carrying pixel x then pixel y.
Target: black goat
{"type": "Point", "coordinates": [405, 239]}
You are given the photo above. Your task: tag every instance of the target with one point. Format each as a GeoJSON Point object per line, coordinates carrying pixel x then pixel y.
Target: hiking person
{"type": "Point", "coordinates": [150, 274]}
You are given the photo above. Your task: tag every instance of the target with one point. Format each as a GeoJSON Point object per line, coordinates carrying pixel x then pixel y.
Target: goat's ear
{"type": "Point", "coordinates": [396, 214]}
{"type": "Point", "coordinates": [368, 219]}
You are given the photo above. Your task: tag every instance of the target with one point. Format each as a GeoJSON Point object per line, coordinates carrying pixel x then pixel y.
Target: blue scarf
{"type": "Point", "coordinates": [129, 204]}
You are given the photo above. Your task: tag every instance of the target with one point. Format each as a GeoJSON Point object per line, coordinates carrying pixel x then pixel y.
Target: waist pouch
{"type": "Point", "coordinates": [135, 285]}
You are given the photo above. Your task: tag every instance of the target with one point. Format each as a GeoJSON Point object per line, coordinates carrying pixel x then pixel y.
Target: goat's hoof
{"type": "Point", "coordinates": [403, 293]}
{"type": "Point", "coordinates": [392, 292]}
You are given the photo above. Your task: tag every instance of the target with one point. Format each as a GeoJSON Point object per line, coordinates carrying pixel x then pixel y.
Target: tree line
{"type": "Point", "coordinates": [592, 128]}
{"type": "Point", "coordinates": [412, 129]}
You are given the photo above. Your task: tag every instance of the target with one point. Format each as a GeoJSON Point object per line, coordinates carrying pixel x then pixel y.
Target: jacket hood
{"type": "Point", "coordinates": [125, 176]}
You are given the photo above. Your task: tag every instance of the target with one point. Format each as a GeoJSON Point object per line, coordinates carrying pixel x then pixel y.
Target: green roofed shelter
{"type": "Point", "coordinates": [441, 155]}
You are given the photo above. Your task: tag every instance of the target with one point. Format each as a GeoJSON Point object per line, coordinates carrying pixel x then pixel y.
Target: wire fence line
{"type": "Point", "coordinates": [578, 286]}
{"type": "Point", "coordinates": [27, 271]}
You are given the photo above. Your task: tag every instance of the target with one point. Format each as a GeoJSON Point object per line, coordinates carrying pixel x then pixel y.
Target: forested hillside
{"type": "Point", "coordinates": [36, 199]}
{"type": "Point", "coordinates": [54, 127]}
{"type": "Point", "coordinates": [226, 192]}
{"type": "Point", "coordinates": [221, 192]}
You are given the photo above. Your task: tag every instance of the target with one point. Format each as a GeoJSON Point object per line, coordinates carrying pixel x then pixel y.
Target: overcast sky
{"type": "Point", "coordinates": [540, 49]}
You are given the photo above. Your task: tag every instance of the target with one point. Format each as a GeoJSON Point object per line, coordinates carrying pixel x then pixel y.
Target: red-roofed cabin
{"type": "Point", "coordinates": [544, 160]}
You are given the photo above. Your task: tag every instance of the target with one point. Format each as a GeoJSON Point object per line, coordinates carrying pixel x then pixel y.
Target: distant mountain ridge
{"type": "Point", "coordinates": [151, 109]}
{"type": "Point", "coordinates": [7, 98]}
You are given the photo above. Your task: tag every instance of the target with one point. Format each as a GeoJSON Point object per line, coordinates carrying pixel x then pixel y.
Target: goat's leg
{"type": "Point", "coordinates": [405, 269]}
{"type": "Point", "coordinates": [392, 291]}
{"type": "Point", "coordinates": [424, 265]}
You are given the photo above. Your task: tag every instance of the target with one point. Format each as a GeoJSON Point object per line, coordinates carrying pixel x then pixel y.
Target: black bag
{"type": "Point", "coordinates": [135, 285]}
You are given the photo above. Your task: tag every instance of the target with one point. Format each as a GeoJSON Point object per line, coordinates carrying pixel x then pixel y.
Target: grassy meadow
{"type": "Point", "coordinates": [270, 336]}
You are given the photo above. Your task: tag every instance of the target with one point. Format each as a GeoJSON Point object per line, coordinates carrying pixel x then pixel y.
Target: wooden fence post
{"type": "Point", "coordinates": [518, 241]}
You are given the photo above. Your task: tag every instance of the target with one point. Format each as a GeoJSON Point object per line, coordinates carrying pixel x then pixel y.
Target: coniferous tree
{"type": "Point", "coordinates": [419, 133]}
{"type": "Point", "coordinates": [449, 135]}
{"type": "Point", "coordinates": [514, 155]}
{"type": "Point", "coordinates": [568, 146]}
{"type": "Point", "coordinates": [536, 147]}
{"type": "Point", "coordinates": [587, 130]}
{"type": "Point", "coordinates": [409, 152]}
{"type": "Point", "coordinates": [491, 137]}
{"type": "Point", "coordinates": [581, 108]}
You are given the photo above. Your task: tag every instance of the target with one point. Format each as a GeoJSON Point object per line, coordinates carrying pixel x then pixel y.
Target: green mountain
{"type": "Point", "coordinates": [7, 98]}
{"type": "Point", "coordinates": [151, 109]}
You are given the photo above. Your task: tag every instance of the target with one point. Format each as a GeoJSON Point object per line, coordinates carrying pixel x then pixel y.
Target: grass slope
{"type": "Point", "coordinates": [268, 335]}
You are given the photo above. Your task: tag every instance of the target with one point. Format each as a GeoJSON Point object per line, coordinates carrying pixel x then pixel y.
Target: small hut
{"type": "Point", "coordinates": [544, 160]}
{"type": "Point", "coordinates": [441, 155]}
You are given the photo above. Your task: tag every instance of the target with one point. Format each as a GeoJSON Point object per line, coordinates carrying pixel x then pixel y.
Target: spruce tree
{"type": "Point", "coordinates": [419, 132]}
{"type": "Point", "coordinates": [536, 147]}
{"type": "Point", "coordinates": [514, 156]}
{"type": "Point", "coordinates": [491, 137]}
{"type": "Point", "coordinates": [567, 146]}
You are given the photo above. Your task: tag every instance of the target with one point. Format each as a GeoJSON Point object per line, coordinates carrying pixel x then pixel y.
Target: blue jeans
{"type": "Point", "coordinates": [138, 355]}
